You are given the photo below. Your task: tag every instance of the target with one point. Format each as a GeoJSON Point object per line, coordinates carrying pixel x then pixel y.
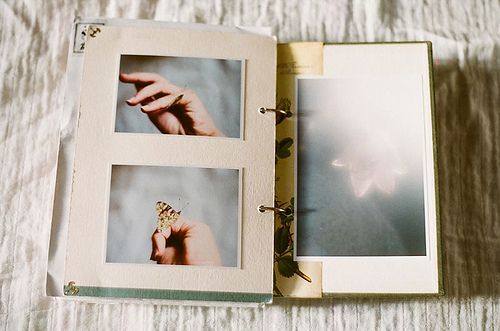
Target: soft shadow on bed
{"type": "Point", "coordinates": [468, 126]}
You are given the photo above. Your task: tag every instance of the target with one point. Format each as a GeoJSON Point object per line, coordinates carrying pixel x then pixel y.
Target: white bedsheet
{"type": "Point", "coordinates": [466, 36]}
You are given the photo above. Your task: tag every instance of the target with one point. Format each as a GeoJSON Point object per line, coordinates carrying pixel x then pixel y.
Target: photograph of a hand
{"type": "Point", "coordinates": [185, 243]}
{"type": "Point", "coordinates": [149, 224]}
{"type": "Point", "coordinates": [172, 109]}
{"type": "Point", "coordinates": [164, 97]}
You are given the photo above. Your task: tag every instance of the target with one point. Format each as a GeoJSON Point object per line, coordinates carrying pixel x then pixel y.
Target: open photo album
{"type": "Point", "coordinates": [211, 164]}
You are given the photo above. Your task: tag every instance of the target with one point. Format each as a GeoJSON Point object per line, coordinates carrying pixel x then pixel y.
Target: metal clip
{"type": "Point", "coordinates": [285, 212]}
{"type": "Point", "coordinates": [286, 113]}
{"type": "Point", "coordinates": [82, 31]}
{"type": "Point", "coordinates": [71, 289]}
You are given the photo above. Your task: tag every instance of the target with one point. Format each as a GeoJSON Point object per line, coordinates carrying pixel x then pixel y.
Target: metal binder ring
{"type": "Point", "coordinates": [286, 113]}
{"type": "Point", "coordinates": [263, 209]}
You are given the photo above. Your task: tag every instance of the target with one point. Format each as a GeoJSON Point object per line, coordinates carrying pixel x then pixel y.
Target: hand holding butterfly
{"type": "Point", "coordinates": [172, 109]}
{"type": "Point", "coordinates": [186, 243]}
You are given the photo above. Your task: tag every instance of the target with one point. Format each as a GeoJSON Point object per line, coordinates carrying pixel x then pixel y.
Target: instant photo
{"type": "Point", "coordinates": [173, 215]}
{"type": "Point", "coordinates": [360, 167]}
{"type": "Point", "coordinates": [179, 95]}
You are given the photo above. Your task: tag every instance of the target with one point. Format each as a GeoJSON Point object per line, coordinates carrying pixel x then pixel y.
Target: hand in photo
{"type": "Point", "coordinates": [172, 109]}
{"type": "Point", "coordinates": [185, 243]}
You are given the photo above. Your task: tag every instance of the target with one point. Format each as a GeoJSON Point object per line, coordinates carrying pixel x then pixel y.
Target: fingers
{"type": "Point", "coordinates": [200, 246]}
{"type": "Point", "coordinates": [140, 77]}
{"type": "Point", "coordinates": [145, 93]}
{"type": "Point", "coordinates": [166, 234]}
{"type": "Point", "coordinates": [168, 256]}
{"type": "Point", "coordinates": [162, 253]}
{"type": "Point", "coordinates": [153, 83]}
{"type": "Point", "coordinates": [162, 103]}
{"type": "Point", "coordinates": [166, 122]}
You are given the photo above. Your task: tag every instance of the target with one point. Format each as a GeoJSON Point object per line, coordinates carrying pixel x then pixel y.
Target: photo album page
{"type": "Point", "coordinates": [166, 186]}
{"type": "Point", "coordinates": [356, 171]}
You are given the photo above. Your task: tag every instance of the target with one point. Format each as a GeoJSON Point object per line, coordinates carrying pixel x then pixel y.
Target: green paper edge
{"type": "Point", "coordinates": [119, 292]}
{"type": "Point", "coordinates": [440, 251]}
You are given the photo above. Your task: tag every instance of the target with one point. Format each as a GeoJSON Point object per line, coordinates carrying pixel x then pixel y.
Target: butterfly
{"type": "Point", "coordinates": [167, 216]}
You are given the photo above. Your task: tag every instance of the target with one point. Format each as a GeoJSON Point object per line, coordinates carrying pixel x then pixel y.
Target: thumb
{"type": "Point", "coordinates": [159, 242]}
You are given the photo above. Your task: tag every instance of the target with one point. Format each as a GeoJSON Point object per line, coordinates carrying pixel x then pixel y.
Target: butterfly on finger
{"type": "Point", "coordinates": [167, 216]}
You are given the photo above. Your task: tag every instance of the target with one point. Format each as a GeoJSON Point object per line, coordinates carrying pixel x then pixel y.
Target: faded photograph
{"type": "Point", "coordinates": [179, 95]}
{"type": "Point", "coordinates": [173, 215]}
{"type": "Point", "coordinates": [360, 180]}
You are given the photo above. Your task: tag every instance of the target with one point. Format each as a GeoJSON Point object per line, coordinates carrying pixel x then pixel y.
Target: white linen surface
{"type": "Point", "coordinates": [466, 39]}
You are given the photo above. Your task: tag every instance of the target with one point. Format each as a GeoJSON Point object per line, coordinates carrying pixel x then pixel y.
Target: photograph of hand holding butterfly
{"type": "Point", "coordinates": [174, 215]}
{"type": "Point", "coordinates": [189, 243]}
{"type": "Point", "coordinates": [192, 212]}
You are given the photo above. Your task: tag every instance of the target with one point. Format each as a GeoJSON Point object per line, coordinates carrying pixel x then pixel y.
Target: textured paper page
{"type": "Point", "coordinates": [293, 279]}
{"type": "Point", "coordinates": [105, 154]}
{"type": "Point", "coordinates": [60, 217]}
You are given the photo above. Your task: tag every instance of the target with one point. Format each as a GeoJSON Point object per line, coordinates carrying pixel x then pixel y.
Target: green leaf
{"type": "Point", "coordinates": [284, 103]}
{"type": "Point", "coordinates": [286, 219]}
{"type": "Point", "coordinates": [283, 147]}
{"type": "Point", "coordinates": [284, 153]}
{"type": "Point", "coordinates": [287, 266]}
{"type": "Point", "coordinates": [281, 239]}
{"type": "Point", "coordinates": [286, 143]}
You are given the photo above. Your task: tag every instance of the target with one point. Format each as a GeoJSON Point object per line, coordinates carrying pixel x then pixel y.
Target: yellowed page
{"type": "Point", "coordinates": [292, 279]}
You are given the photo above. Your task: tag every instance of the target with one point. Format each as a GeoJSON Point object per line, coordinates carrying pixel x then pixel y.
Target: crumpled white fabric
{"type": "Point", "coordinates": [465, 35]}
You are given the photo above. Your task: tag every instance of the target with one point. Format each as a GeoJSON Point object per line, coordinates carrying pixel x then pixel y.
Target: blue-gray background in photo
{"type": "Point", "coordinates": [212, 194]}
{"type": "Point", "coordinates": [360, 169]}
{"type": "Point", "coordinates": [216, 82]}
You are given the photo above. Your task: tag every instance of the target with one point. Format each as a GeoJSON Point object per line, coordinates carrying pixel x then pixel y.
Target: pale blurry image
{"type": "Point", "coordinates": [179, 95]}
{"type": "Point", "coordinates": [360, 167]}
{"type": "Point", "coordinates": [173, 215]}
